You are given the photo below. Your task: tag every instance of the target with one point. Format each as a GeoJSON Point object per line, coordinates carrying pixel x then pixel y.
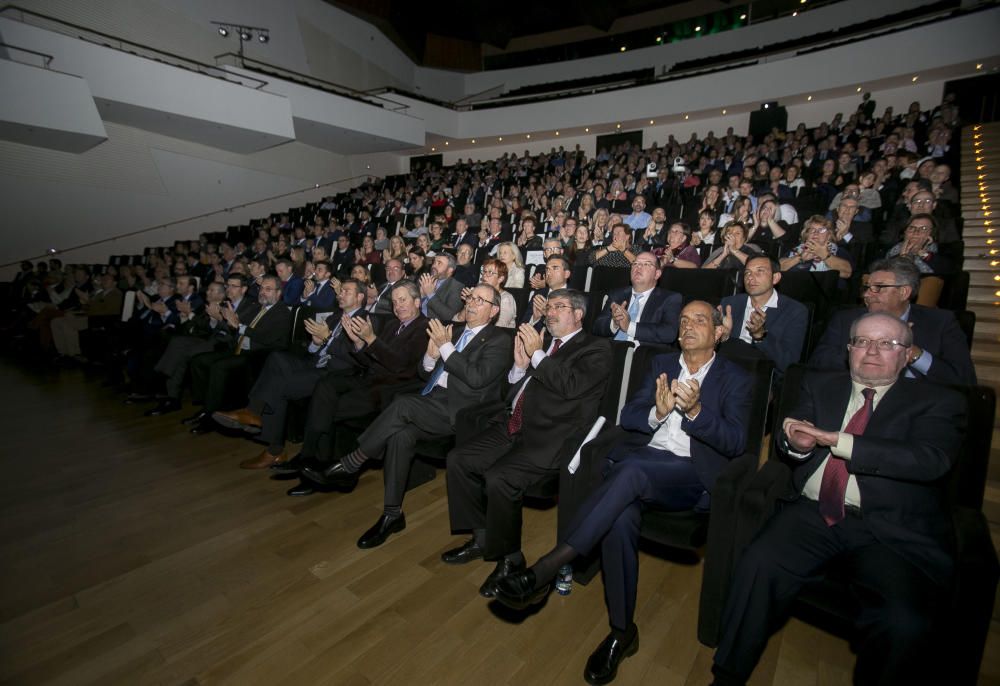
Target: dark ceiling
{"type": "Point", "coordinates": [490, 22]}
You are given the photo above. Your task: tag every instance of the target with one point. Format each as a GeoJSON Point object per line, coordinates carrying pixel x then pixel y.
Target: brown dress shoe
{"type": "Point", "coordinates": [264, 460]}
{"type": "Point", "coordinates": [238, 419]}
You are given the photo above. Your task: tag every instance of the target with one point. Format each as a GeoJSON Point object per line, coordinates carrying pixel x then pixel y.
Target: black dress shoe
{"type": "Point", "coordinates": [292, 466]}
{"type": "Point", "coordinates": [517, 591]}
{"type": "Point", "coordinates": [467, 552]}
{"type": "Point", "coordinates": [602, 666]}
{"type": "Point", "coordinates": [195, 418]}
{"type": "Point", "coordinates": [383, 528]}
{"type": "Point", "coordinates": [164, 407]}
{"type": "Point", "coordinates": [205, 426]}
{"type": "Point", "coordinates": [304, 488]}
{"type": "Point", "coordinates": [334, 475]}
{"type": "Point", "coordinates": [504, 567]}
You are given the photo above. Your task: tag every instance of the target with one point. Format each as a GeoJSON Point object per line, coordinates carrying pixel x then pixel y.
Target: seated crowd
{"type": "Point", "coordinates": [388, 315]}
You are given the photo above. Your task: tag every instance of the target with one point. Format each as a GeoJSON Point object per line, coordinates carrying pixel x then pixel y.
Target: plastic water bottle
{"type": "Point", "coordinates": [564, 580]}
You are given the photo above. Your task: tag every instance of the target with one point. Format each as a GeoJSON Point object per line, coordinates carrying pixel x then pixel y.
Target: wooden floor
{"type": "Point", "coordinates": [134, 553]}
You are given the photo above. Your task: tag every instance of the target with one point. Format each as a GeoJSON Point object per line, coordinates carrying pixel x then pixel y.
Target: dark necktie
{"type": "Point", "coordinates": [834, 485]}
{"type": "Point", "coordinates": [517, 416]}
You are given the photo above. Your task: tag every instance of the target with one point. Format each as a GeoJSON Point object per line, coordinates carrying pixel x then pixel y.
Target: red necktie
{"type": "Point", "coordinates": [517, 416]}
{"type": "Point", "coordinates": [834, 484]}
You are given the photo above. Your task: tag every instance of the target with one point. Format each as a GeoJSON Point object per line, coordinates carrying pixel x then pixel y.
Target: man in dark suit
{"type": "Point", "coordinates": [772, 324]}
{"type": "Point", "coordinates": [319, 292]}
{"type": "Point", "coordinates": [557, 274]}
{"type": "Point", "coordinates": [380, 299]}
{"type": "Point", "coordinates": [291, 285]}
{"type": "Point", "coordinates": [872, 447]}
{"type": "Point", "coordinates": [199, 332]}
{"type": "Point", "coordinates": [463, 236]}
{"type": "Point", "coordinates": [940, 351]}
{"type": "Point", "coordinates": [686, 422]}
{"type": "Point", "coordinates": [464, 368]}
{"type": "Point", "coordinates": [441, 294]}
{"type": "Point", "coordinates": [556, 389]}
{"type": "Point", "coordinates": [643, 313]}
{"type": "Point", "coordinates": [389, 358]}
{"type": "Point", "coordinates": [287, 376]}
{"type": "Point", "coordinates": [212, 372]}
{"type": "Point", "coordinates": [466, 271]}
{"type": "Point", "coordinates": [491, 237]}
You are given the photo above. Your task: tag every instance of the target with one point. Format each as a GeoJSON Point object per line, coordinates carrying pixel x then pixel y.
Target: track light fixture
{"type": "Point", "coordinates": [244, 33]}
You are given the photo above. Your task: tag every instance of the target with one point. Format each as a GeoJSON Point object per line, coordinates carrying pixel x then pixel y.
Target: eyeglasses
{"type": "Point", "coordinates": [555, 307]}
{"type": "Point", "coordinates": [477, 301]}
{"type": "Point", "coordinates": [917, 228]}
{"type": "Point", "coordinates": [877, 287]}
{"type": "Point", "coordinates": [921, 201]}
{"type": "Point", "coordinates": [883, 345]}
{"type": "Point", "coordinates": [644, 263]}
{"type": "Point", "coordinates": [490, 272]}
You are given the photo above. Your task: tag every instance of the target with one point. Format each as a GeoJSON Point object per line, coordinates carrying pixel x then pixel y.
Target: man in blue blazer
{"type": "Point", "coordinates": [291, 285]}
{"type": "Point", "coordinates": [940, 351]}
{"type": "Point", "coordinates": [685, 423]}
{"type": "Point", "coordinates": [772, 324]}
{"type": "Point", "coordinates": [319, 293]}
{"type": "Point", "coordinates": [642, 313]}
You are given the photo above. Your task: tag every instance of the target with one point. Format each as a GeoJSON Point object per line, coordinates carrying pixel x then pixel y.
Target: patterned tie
{"type": "Point", "coordinates": [517, 416]}
{"type": "Point", "coordinates": [834, 484]}
{"type": "Point", "coordinates": [633, 314]}
{"type": "Point", "coordinates": [459, 347]}
{"type": "Point", "coordinates": [243, 337]}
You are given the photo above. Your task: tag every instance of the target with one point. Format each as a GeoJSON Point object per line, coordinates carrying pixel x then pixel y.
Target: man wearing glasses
{"type": "Point", "coordinates": [462, 367]}
{"type": "Point", "coordinates": [940, 351]}
{"type": "Point", "coordinates": [556, 385]}
{"type": "Point", "coordinates": [871, 449]}
{"type": "Point", "coordinates": [642, 313]}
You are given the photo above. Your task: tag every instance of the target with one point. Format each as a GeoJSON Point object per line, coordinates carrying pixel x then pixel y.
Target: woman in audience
{"type": "Point", "coordinates": [791, 185]}
{"type": "Point", "coordinates": [381, 239]}
{"type": "Point", "coordinates": [361, 273]}
{"type": "Point", "coordinates": [818, 251]}
{"type": "Point", "coordinates": [586, 208]}
{"type": "Point", "coordinates": [766, 228]}
{"type": "Point", "coordinates": [741, 211]}
{"type": "Point", "coordinates": [424, 243]}
{"type": "Point", "coordinates": [581, 247]}
{"type": "Point", "coordinates": [436, 238]}
{"type": "Point", "coordinates": [734, 250]}
{"type": "Point", "coordinates": [920, 245]}
{"type": "Point", "coordinates": [599, 223]}
{"type": "Point", "coordinates": [511, 257]}
{"type": "Point", "coordinates": [494, 273]}
{"type": "Point", "coordinates": [679, 253]}
{"type": "Point", "coordinates": [705, 237]}
{"type": "Point", "coordinates": [417, 263]}
{"type": "Point", "coordinates": [395, 251]}
{"type": "Point", "coordinates": [448, 218]}
{"type": "Point", "coordinates": [367, 254]}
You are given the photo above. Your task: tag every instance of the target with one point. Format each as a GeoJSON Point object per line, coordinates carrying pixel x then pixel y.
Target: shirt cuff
{"type": "Point", "coordinates": [515, 374]}
{"type": "Point", "coordinates": [844, 447]}
{"type": "Point", "coordinates": [923, 364]}
{"type": "Point", "coordinates": [429, 363]}
{"type": "Point", "coordinates": [446, 350]}
{"type": "Point", "coordinates": [242, 328]}
{"type": "Point", "coordinates": [655, 423]}
{"type": "Point", "coordinates": [537, 357]}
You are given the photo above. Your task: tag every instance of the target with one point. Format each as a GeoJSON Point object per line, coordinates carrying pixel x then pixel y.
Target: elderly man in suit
{"type": "Point", "coordinates": [440, 292]}
{"type": "Point", "coordinates": [556, 276]}
{"type": "Point", "coordinates": [463, 367]}
{"type": "Point", "coordinates": [871, 447]}
{"type": "Point", "coordinates": [556, 388]}
{"type": "Point", "coordinates": [685, 423]}
{"type": "Point", "coordinates": [774, 325]}
{"type": "Point", "coordinates": [212, 373]}
{"type": "Point", "coordinates": [940, 351]}
{"type": "Point", "coordinates": [287, 376]}
{"type": "Point", "coordinates": [643, 313]}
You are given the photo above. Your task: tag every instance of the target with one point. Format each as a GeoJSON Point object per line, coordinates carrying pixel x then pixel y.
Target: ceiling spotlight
{"type": "Point", "coordinates": [618, 126]}
{"type": "Point", "coordinates": [809, 98]}
{"type": "Point", "coordinates": [859, 89]}
{"type": "Point", "coordinates": [697, 28]}
{"type": "Point", "coordinates": [223, 31]}
{"type": "Point", "coordinates": [245, 35]}
{"type": "Point", "coordinates": [621, 49]}
{"type": "Point", "coordinates": [723, 111]}
{"type": "Point", "coordinates": [263, 37]}
{"type": "Point", "coordinates": [500, 139]}
{"type": "Point", "coordinates": [557, 133]}
{"type": "Point", "coordinates": [473, 140]}
{"type": "Point", "coordinates": [795, 14]}
{"type": "Point", "coordinates": [528, 136]}
{"type": "Point", "coordinates": [433, 149]}
{"type": "Point", "coordinates": [659, 39]}
{"type": "Point", "coordinates": [914, 79]}
{"type": "Point", "coordinates": [651, 121]}
{"type": "Point", "coordinates": [685, 117]}
{"type": "Point", "coordinates": [743, 17]}
{"type": "Point", "coordinates": [979, 66]}
{"type": "Point", "coordinates": [586, 130]}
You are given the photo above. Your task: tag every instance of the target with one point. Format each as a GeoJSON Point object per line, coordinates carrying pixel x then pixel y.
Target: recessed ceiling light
{"type": "Point", "coordinates": [446, 142]}
{"type": "Point", "coordinates": [914, 79]}
{"type": "Point", "coordinates": [618, 126]}
{"type": "Point", "coordinates": [586, 130]}
{"type": "Point", "coordinates": [697, 28]}
{"type": "Point", "coordinates": [622, 48]}
{"type": "Point", "coordinates": [685, 116]}
{"type": "Point", "coordinates": [979, 66]}
{"type": "Point", "coordinates": [659, 39]}
{"type": "Point", "coordinates": [795, 14]}
{"type": "Point", "coordinates": [723, 111]}
{"type": "Point", "coordinates": [433, 149]}
{"type": "Point", "coordinates": [473, 140]}
{"type": "Point", "coordinates": [859, 89]}
{"type": "Point", "coordinates": [500, 138]}
{"type": "Point", "coordinates": [528, 136]}
{"type": "Point", "coordinates": [809, 98]}
{"type": "Point", "coordinates": [743, 17]}
{"type": "Point", "coordinates": [557, 133]}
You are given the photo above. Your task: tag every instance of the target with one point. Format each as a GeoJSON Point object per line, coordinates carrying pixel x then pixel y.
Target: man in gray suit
{"type": "Point", "coordinates": [440, 293]}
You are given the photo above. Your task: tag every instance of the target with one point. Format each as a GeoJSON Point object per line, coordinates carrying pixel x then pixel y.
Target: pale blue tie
{"type": "Point", "coordinates": [459, 347]}
{"type": "Point", "coordinates": [633, 314]}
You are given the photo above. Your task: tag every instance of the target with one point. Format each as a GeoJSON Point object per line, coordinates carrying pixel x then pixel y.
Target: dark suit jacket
{"type": "Point", "coordinates": [394, 355]}
{"type": "Point", "coordinates": [562, 400]}
{"type": "Point", "coordinates": [475, 375]}
{"type": "Point", "coordinates": [935, 331]}
{"type": "Point", "coordinates": [446, 302]}
{"type": "Point", "coordinates": [273, 330]}
{"type": "Point", "coordinates": [719, 432]}
{"type": "Point", "coordinates": [911, 441]}
{"type": "Point", "coordinates": [323, 298]}
{"type": "Point", "coordinates": [291, 292]}
{"type": "Point", "coordinates": [657, 324]}
{"type": "Point", "coordinates": [786, 327]}
{"type": "Point", "coordinates": [383, 306]}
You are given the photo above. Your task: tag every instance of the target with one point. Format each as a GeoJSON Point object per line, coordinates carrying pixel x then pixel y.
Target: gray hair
{"type": "Point", "coordinates": [411, 288]}
{"type": "Point", "coordinates": [577, 300]}
{"type": "Point", "coordinates": [903, 269]}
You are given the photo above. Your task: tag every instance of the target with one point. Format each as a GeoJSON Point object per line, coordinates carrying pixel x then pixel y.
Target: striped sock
{"type": "Point", "coordinates": [392, 511]}
{"type": "Point", "coordinates": [353, 460]}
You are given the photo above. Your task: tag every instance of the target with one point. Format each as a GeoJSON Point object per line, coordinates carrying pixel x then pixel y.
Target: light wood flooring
{"type": "Point", "coordinates": [135, 553]}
